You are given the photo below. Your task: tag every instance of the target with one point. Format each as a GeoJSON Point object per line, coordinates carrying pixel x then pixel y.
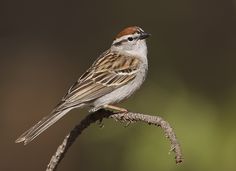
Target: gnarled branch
{"type": "Point", "coordinates": [129, 117]}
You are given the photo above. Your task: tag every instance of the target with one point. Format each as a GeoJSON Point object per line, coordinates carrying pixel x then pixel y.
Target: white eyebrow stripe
{"type": "Point", "coordinates": [125, 37]}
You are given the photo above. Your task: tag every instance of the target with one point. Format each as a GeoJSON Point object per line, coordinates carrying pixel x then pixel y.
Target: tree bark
{"type": "Point", "coordinates": [128, 117]}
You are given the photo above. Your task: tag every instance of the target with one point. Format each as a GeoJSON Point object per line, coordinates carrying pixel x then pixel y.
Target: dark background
{"type": "Point", "coordinates": [46, 45]}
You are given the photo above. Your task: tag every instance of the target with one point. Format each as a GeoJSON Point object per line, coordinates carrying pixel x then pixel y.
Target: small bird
{"type": "Point", "coordinates": [114, 76]}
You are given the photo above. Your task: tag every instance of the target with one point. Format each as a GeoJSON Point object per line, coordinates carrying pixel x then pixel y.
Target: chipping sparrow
{"type": "Point", "coordinates": [114, 76]}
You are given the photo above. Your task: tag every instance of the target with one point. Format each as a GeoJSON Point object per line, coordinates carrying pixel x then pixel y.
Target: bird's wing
{"type": "Point", "coordinates": [109, 72]}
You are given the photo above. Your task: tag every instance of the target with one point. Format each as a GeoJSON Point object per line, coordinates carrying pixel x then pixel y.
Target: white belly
{"type": "Point", "coordinates": [124, 91]}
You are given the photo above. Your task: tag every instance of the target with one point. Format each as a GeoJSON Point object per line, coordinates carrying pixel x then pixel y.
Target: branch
{"type": "Point", "coordinates": [128, 117]}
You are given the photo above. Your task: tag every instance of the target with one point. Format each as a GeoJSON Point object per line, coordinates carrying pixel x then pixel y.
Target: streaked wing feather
{"type": "Point", "coordinates": [109, 72]}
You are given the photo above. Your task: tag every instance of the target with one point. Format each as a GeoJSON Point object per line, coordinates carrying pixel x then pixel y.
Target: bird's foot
{"type": "Point", "coordinates": [115, 108]}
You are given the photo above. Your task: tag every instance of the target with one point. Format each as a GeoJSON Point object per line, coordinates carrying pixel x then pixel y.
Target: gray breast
{"type": "Point", "coordinates": [124, 91]}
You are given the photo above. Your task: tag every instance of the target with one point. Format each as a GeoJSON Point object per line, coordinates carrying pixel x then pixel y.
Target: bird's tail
{"type": "Point", "coordinates": [42, 125]}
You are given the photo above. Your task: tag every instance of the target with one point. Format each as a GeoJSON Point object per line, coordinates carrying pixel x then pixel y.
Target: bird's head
{"type": "Point", "coordinates": [131, 40]}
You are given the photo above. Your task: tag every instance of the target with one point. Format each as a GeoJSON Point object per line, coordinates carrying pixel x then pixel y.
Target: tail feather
{"type": "Point", "coordinates": [41, 126]}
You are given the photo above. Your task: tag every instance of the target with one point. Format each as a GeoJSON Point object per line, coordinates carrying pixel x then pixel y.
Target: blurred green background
{"type": "Point", "coordinates": [46, 45]}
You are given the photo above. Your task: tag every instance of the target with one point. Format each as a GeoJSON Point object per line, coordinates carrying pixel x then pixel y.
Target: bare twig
{"type": "Point", "coordinates": [128, 117]}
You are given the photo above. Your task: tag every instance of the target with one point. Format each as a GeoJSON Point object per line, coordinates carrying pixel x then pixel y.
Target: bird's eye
{"type": "Point", "coordinates": [130, 38]}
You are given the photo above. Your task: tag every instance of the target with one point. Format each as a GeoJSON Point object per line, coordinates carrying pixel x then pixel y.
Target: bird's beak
{"type": "Point", "coordinates": [144, 36]}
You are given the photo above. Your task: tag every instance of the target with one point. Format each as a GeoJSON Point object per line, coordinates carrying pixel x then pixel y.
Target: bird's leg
{"type": "Point", "coordinates": [118, 109]}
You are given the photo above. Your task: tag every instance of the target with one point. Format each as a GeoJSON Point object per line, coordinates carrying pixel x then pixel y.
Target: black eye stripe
{"type": "Point", "coordinates": [120, 42]}
{"type": "Point", "coordinates": [130, 38]}
{"type": "Point", "coordinates": [125, 40]}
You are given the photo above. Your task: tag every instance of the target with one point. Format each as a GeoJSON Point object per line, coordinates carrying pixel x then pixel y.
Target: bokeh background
{"type": "Point", "coordinates": [46, 45]}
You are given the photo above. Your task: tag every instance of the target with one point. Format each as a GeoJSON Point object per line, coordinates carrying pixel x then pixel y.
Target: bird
{"type": "Point", "coordinates": [115, 75]}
